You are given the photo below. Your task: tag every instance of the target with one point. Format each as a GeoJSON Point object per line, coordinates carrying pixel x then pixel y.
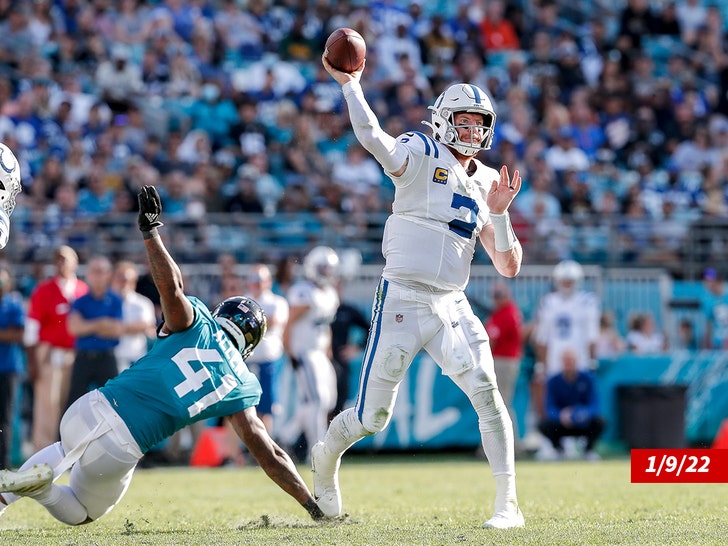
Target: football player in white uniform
{"type": "Point", "coordinates": [10, 187]}
{"type": "Point", "coordinates": [445, 202]}
{"type": "Point", "coordinates": [313, 302]}
{"type": "Point", "coordinates": [268, 358]}
{"type": "Point", "coordinates": [566, 318]}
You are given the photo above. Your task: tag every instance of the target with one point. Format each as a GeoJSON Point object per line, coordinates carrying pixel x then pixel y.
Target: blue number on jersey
{"type": "Point", "coordinates": [464, 229]}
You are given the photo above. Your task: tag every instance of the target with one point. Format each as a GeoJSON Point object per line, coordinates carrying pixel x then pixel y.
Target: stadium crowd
{"type": "Point", "coordinates": [614, 113]}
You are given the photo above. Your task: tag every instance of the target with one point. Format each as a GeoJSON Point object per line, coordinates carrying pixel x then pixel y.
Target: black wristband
{"type": "Point", "coordinates": [313, 509]}
{"type": "Point", "coordinates": [151, 234]}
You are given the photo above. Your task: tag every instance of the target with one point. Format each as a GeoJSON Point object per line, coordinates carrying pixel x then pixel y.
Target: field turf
{"type": "Point", "coordinates": [393, 500]}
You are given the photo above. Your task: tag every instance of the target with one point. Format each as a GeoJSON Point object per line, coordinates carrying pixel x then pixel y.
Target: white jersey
{"type": "Point", "coordinates": [270, 347]}
{"type": "Point", "coordinates": [135, 308]}
{"type": "Point", "coordinates": [567, 321]}
{"type": "Point", "coordinates": [312, 331]}
{"type": "Point", "coordinates": [437, 215]}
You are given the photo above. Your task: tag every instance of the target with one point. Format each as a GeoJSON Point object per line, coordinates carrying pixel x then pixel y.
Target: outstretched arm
{"type": "Point", "coordinates": [176, 308]}
{"type": "Point", "coordinates": [272, 459]}
{"type": "Point", "coordinates": [367, 129]}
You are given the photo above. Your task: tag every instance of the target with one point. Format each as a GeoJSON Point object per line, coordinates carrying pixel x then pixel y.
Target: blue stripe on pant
{"type": "Point", "coordinates": [377, 312]}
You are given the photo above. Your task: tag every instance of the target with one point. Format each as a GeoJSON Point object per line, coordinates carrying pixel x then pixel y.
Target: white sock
{"type": "Point", "coordinates": [496, 434]}
{"type": "Point", "coordinates": [344, 431]}
{"type": "Point", "coordinates": [62, 504]}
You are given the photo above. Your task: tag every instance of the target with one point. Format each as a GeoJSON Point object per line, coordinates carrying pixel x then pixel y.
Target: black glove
{"type": "Point", "coordinates": [150, 207]}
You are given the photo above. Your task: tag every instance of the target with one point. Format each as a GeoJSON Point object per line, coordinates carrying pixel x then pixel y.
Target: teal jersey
{"type": "Point", "coordinates": [185, 377]}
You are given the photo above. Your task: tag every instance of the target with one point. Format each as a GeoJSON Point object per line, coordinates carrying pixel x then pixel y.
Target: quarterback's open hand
{"type": "Point", "coordinates": [150, 207]}
{"type": "Point", "coordinates": [502, 192]}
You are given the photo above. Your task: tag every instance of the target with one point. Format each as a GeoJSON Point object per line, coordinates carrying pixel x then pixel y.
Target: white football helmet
{"type": "Point", "coordinates": [567, 275]}
{"type": "Point", "coordinates": [321, 265]}
{"type": "Point", "coordinates": [462, 97]}
{"type": "Point", "coordinates": [9, 179]}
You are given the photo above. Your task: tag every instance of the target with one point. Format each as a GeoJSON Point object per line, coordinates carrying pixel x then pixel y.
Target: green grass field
{"type": "Point", "coordinates": [393, 500]}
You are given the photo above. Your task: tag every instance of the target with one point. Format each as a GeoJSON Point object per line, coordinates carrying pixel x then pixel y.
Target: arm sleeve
{"type": "Point", "coordinates": [381, 145]}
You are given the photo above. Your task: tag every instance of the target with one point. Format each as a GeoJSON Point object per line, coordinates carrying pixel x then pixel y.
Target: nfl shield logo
{"type": "Point", "coordinates": [399, 317]}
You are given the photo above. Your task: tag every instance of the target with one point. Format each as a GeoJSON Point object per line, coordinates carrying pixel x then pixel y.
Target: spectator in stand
{"type": "Point", "coordinates": [610, 342]}
{"type": "Point", "coordinates": [248, 132]}
{"type": "Point", "coordinates": [95, 321]}
{"type": "Point", "coordinates": [507, 337]}
{"type": "Point", "coordinates": [637, 20]}
{"type": "Point", "coordinates": [686, 337]}
{"type": "Point", "coordinates": [50, 346]}
{"type": "Point", "coordinates": [95, 197]}
{"type": "Point", "coordinates": [138, 317]}
{"type": "Point", "coordinates": [497, 32]}
{"type": "Point", "coordinates": [714, 306]}
{"type": "Point", "coordinates": [643, 337]}
{"type": "Point", "coordinates": [691, 16]}
{"type": "Point", "coordinates": [119, 79]}
{"type": "Point", "coordinates": [564, 155]}
{"type": "Point", "coordinates": [12, 326]}
{"type": "Point", "coordinates": [572, 407]}
{"type": "Point", "coordinates": [539, 195]}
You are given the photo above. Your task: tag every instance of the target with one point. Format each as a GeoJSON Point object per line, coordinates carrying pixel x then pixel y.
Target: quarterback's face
{"type": "Point", "coordinates": [470, 127]}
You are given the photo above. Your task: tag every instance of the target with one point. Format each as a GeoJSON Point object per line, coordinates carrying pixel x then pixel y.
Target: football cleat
{"type": "Point", "coordinates": [506, 519]}
{"type": "Point", "coordinates": [26, 482]}
{"type": "Point", "coordinates": [326, 480]}
{"type": "Point", "coordinates": [10, 185]}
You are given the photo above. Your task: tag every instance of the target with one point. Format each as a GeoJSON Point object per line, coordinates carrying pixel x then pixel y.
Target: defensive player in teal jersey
{"type": "Point", "coordinates": [194, 371]}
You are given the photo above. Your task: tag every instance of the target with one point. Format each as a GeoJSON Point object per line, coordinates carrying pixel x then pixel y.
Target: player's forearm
{"type": "Point", "coordinates": [276, 463]}
{"type": "Point", "coordinates": [508, 263]}
{"type": "Point", "coordinates": [283, 472]}
{"type": "Point", "coordinates": [165, 272]}
{"type": "Point", "coordinates": [368, 131]}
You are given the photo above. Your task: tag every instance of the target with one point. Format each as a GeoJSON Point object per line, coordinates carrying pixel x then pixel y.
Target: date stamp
{"type": "Point", "coordinates": [679, 465]}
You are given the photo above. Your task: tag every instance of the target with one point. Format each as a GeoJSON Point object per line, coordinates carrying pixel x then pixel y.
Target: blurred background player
{"type": "Point", "coordinates": [194, 371]}
{"type": "Point", "coordinates": [445, 201]}
{"type": "Point", "coordinates": [268, 358]}
{"type": "Point", "coordinates": [313, 301]}
{"type": "Point", "coordinates": [50, 346]}
{"type": "Point", "coordinates": [12, 325]}
{"type": "Point", "coordinates": [10, 187]}
{"type": "Point", "coordinates": [567, 317]}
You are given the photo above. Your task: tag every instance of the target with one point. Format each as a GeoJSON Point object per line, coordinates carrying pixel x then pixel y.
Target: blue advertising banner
{"type": "Point", "coordinates": [431, 412]}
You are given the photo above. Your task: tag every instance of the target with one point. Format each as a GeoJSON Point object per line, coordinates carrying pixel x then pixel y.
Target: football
{"type": "Point", "coordinates": [345, 49]}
